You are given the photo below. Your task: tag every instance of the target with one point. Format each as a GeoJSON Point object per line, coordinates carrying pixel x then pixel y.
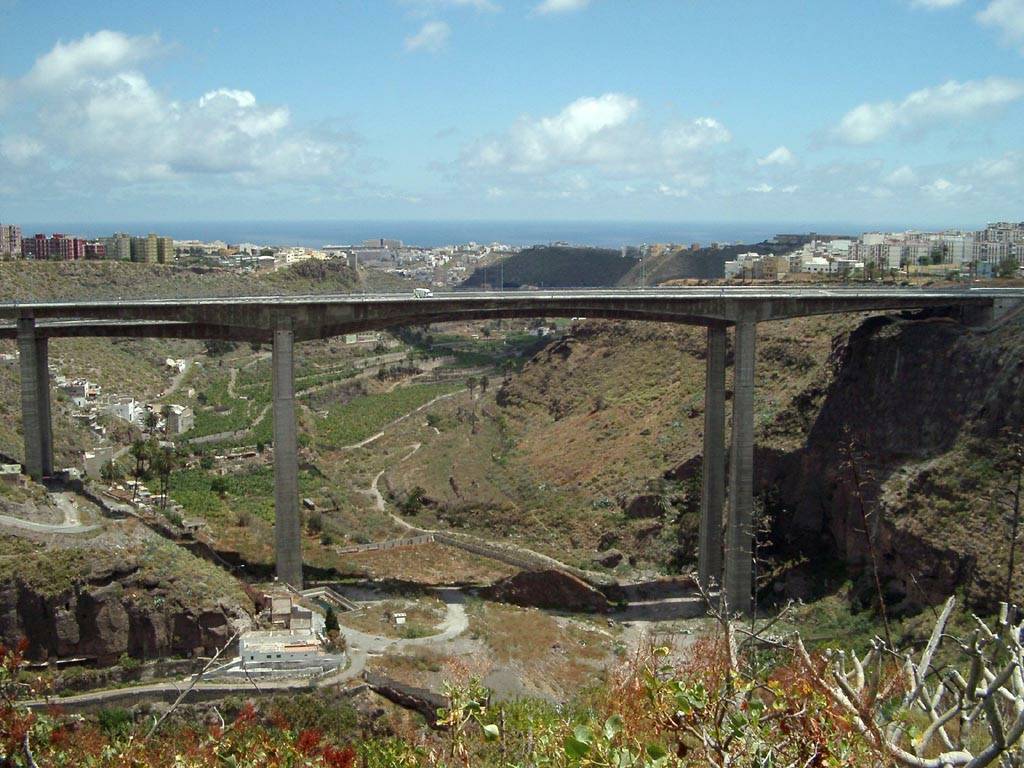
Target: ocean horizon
{"type": "Point", "coordinates": [317, 233]}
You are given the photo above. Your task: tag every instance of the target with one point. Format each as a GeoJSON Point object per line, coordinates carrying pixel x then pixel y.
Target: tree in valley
{"type": "Point", "coordinates": [140, 452]}
{"type": "Point", "coordinates": [331, 620]}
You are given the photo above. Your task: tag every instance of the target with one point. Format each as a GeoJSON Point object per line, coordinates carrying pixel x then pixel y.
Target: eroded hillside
{"type": "Point", "coordinates": [593, 453]}
{"type": "Point", "coordinates": [580, 454]}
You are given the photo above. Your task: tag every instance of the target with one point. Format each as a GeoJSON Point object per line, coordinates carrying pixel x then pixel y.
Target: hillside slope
{"type": "Point", "coordinates": [594, 449]}
{"type": "Point", "coordinates": [577, 454]}
{"type": "Point", "coordinates": [26, 280]}
{"type": "Point", "coordinates": [545, 266]}
{"type": "Point", "coordinates": [701, 264]}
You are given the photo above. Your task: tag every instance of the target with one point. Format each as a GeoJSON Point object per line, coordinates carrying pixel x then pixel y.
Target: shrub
{"type": "Point", "coordinates": [114, 721]}
{"type": "Point", "coordinates": [315, 522]}
{"type": "Point", "coordinates": [331, 620]}
{"type": "Point", "coordinates": [127, 662]}
{"type": "Point", "coordinates": [413, 503]}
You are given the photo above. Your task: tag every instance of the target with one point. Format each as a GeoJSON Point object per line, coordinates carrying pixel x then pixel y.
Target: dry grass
{"type": "Point", "coordinates": [434, 564]}
{"type": "Point", "coordinates": [422, 617]}
{"type": "Point", "coordinates": [555, 656]}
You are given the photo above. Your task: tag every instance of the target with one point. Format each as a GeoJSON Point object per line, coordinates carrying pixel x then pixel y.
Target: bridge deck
{"type": "Point", "coordinates": [318, 316]}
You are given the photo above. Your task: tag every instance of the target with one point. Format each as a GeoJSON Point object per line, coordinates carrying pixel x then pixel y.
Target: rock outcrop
{"type": "Point", "coordinates": [552, 589]}
{"type": "Point", "coordinates": [113, 613]}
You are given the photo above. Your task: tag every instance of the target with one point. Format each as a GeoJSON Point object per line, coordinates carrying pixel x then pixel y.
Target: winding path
{"type": "Point", "coordinates": [72, 522]}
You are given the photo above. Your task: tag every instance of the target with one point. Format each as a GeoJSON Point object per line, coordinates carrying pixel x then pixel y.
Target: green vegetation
{"type": "Point", "coordinates": [214, 497]}
{"type": "Point", "coordinates": [362, 417]}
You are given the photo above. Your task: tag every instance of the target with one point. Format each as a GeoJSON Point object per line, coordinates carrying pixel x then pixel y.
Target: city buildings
{"type": "Point", "coordinates": [58, 247]}
{"type": "Point", "coordinates": [164, 250]}
{"type": "Point", "coordinates": [996, 250]}
{"type": "Point", "coordinates": [95, 250]}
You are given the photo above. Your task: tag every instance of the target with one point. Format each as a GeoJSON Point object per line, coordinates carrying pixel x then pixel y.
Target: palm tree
{"type": "Point", "coordinates": [139, 452]}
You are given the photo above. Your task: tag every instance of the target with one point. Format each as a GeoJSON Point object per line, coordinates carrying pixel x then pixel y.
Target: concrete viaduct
{"type": "Point", "coordinates": [724, 556]}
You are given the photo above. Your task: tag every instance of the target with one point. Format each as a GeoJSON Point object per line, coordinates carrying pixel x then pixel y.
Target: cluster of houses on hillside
{"type": "Point", "coordinates": [93, 409]}
{"type": "Point", "coordinates": [997, 249]}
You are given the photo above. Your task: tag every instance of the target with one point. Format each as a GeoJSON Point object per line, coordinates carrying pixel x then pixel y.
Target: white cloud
{"type": "Point", "coordinates": [935, 4]}
{"type": "Point", "coordinates": [582, 133]}
{"type": "Point", "coordinates": [432, 37]}
{"type": "Point", "coordinates": [943, 188]}
{"type": "Point", "coordinates": [778, 156]}
{"type": "Point", "coordinates": [20, 150]}
{"type": "Point", "coordinates": [764, 189]}
{"type": "Point", "coordinates": [1009, 167]}
{"type": "Point", "coordinates": [1007, 16]}
{"type": "Point", "coordinates": [698, 134]}
{"type": "Point", "coordinates": [74, 114]}
{"type": "Point", "coordinates": [901, 177]}
{"type": "Point", "coordinates": [925, 108]}
{"type": "Point", "coordinates": [241, 98]}
{"type": "Point", "coordinates": [667, 191]}
{"type": "Point", "coordinates": [104, 51]}
{"type": "Point", "coordinates": [560, 6]}
{"type": "Point", "coordinates": [597, 144]}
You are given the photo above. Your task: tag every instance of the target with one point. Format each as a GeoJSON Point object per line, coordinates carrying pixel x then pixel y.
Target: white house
{"type": "Point", "coordinates": [93, 461]}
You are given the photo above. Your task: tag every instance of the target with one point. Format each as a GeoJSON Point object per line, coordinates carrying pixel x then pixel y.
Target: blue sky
{"type": "Point", "coordinates": [895, 111]}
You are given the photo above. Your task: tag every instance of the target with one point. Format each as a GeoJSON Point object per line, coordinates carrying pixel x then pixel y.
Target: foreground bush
{"type": "Point", "coordinates": [741, 698]}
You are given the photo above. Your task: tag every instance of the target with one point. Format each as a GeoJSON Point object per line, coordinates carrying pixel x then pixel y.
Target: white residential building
{"type": "Point", "coordinates": [180, 419]}
{"type": "Point", "coordinates": [123, 407]}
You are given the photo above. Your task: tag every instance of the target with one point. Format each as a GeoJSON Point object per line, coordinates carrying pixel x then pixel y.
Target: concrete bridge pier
{"type": "Point", "coordinates": [287, 524]}
{"type": "Point", "coordinates": [712, 500]}
{"type": "Point", "coordinates": [36, 421]}
{"type": "Point", "coordinates": [739, 573]}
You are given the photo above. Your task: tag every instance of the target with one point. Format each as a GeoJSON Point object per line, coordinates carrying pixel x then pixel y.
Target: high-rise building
{"type": "Point", "coordinates": [95, 249]}
{"type": "Point", "coordinates": [138, 249]}
{"type": "Point", "coordinates": [165, 250]}
{"type": "Point", "coordinates": [144, 249]}
{"type": "Point", "coordinates": [119, 246]}
{"type": "Point", "coordinates": [35, 247]}
{"type": "Point", "coordinates": [66, 247]}
{"type": "Point", "coordinates": [10, 241]}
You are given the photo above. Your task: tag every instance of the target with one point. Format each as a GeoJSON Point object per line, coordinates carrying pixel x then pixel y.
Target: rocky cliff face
{"type": "Point", "coordinates": [909, 443]}
{"type": "Point", "coordinates": [105, 618]}
{"type": "Point", "coordinates": [152, 602]}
